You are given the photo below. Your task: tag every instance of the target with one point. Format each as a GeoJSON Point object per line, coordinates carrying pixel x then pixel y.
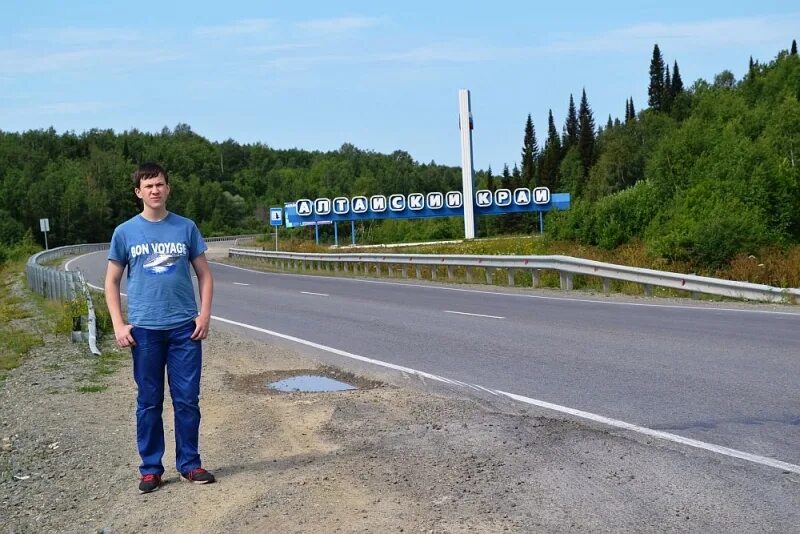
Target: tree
{"type": "Point", "coordinates": [677, 82]}
{"type": "Point", "coordinates": [551, 155]}
{"type": "Point", "coordinates": [570, 126]}
{"type": "Point", "coordinates": [725, 80]}
{"type": "Point", "coordinates": [666, 100]}
{"type": "Point", "coordinates": [630, 112]}
{"type": "Point", "coordinates": [530, 154]}
{"type": "Point", "coordinates": [655, 91]}
{"type": "Point", "coordinates": [794, 48]}
{"type": "Point", "coordinates": [586, 133]}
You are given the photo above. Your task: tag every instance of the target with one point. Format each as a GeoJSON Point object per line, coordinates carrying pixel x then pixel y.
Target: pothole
{"type": "Point", "coordinates": [309, 384]}
{"type": "Point", "coordinates": [320, 380]}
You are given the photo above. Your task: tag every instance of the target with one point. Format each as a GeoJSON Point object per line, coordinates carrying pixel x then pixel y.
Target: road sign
{"type": "Point", "coordinates": [44, 225]}
{"type": "Point", "coordinates": [276, 216]}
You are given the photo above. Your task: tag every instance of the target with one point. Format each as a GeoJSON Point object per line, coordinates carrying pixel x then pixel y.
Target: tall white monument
{"type": "Point", "coordinates": [467, 173]}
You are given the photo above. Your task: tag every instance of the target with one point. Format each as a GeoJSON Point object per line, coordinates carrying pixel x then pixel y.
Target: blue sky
{"type": "Point", "coordinates": [382, 76]}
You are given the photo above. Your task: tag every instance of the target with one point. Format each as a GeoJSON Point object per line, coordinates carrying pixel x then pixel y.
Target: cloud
{"type": "Point", "coordinates": [238, 28]}
{"type": "Point", "coordinates": [73, 36]}
{"type": "Point", "coordinates": [339, 25]}
{"type": "Point", "coordinates": [33, 62]}
{"type": "Point", "coordinates": [681, 35]}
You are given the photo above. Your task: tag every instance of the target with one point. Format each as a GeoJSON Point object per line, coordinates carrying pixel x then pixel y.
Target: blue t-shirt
{"type": "Point", "coordinates": [158, 255]}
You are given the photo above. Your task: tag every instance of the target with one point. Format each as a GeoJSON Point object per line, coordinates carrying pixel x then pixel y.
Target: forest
{"type": "Point", "coordinates": [700, 174]}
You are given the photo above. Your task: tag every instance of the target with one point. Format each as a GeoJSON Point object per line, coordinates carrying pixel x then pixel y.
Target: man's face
{"type": "Point", "coordinates": [153, 192]}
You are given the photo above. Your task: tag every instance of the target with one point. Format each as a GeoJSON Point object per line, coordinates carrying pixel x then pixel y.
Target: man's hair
{"type": "Point", "coordinates": [145, 171]}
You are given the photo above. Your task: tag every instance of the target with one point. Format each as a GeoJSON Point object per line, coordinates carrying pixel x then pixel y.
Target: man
{"type": "Point", "coordinates": [164, 329]}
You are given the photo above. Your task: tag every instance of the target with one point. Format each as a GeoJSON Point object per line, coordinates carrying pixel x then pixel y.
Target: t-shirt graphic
{"type": "Point", "coordinates": [160, 263]}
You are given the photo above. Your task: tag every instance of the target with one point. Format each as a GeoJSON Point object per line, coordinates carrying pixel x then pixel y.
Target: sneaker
{"type": "Point", "coordinates": [149, 483]}
{"type": "Point", "coordinates": [198, 475]}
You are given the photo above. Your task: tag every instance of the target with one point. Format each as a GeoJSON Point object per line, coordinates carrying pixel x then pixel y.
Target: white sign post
{"type": "Point", "coordinates": [44, 226]}
{"type": "Point", "coordinates": [465, 124]}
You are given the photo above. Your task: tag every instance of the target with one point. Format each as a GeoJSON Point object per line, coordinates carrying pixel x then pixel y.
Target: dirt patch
{"type": "Point", "coordinates": [258, 383]}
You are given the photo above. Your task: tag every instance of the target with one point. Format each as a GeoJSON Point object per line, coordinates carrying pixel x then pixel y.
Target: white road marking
{"type": "Point", "coordinates": [526, 296]}
{"type": "Point", "coordinates": [474, 314]}
{"type": "Point", "coordinates": [317, 294]}
{"type": "Point", "coordinates": [240, 284]}
{"type": "Point", "coordinates": [718, 449]}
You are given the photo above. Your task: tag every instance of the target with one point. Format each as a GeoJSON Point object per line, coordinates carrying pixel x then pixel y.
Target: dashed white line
{"type": "Point", "coordinates": [317, 294]}
{"type": "Point", "coordinates": [474, 314]}
{"type": "Point", "coordinates": [240, 284]}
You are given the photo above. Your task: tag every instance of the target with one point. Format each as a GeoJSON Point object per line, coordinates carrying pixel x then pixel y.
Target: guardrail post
{"type": "Point", "coordinates": [434, 273]}
{"type": "Point", "coordinates": [404, 270]}
{"type": "Point", "coordinates": [469, 275]}
{"type": "Point", "coordinates": [536, 277]}
{"type": "Point", "coordinates": [418, 271]}
{"type": "Point", "coordinates": [606, 286]}
{"type": "Point", "coordinates": [566, 280]}
{"type": "Point", "coordinates": [489, 272]}
{"type": "Point", "coordinates": [648, 290]}
{"type": "Point", "coordinates": [450, 272]}
{"type": "Point", "coordinates": [510, 273]}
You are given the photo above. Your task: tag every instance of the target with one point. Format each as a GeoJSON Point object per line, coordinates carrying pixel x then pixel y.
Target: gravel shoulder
{"type": "Point", "coordinates": [394, 455]}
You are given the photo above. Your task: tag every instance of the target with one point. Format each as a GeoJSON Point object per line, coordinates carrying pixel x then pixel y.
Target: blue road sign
{"type": "Point", "coordinates": [275, 216]}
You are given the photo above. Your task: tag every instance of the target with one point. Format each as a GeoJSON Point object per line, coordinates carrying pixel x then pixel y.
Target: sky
{"type": "Point", "coordinates": [383, 76]}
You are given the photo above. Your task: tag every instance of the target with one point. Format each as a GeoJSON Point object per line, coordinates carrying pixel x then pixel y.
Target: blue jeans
{"type": "Point", "coordinates": [182, 357]}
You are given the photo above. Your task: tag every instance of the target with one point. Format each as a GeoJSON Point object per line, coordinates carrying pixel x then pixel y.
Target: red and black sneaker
{"type": "Point", "coordinates": [149, 483]}
{"type": "Point", "coordinates": [198, 475]}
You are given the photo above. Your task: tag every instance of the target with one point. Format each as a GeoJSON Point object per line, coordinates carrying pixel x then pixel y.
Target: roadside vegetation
{"type": "Point", "coordinates": [28, 321]}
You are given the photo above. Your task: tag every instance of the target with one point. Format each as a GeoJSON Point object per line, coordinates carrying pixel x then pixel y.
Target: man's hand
{"type": "Point", "coordinates": [124, 336]}
{"type": "Point", "coordinates": [201, 328]}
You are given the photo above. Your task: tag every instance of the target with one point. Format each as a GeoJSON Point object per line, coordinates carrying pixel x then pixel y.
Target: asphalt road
{"type": "Point", "coordinates": [728, 375]}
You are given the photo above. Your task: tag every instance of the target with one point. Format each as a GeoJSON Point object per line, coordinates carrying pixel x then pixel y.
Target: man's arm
{"type": "Point", "coordinates": [206, 284]}
{"type": "Point", "coordinates": [122, 330]}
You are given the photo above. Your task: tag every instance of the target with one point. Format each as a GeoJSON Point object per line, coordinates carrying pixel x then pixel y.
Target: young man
{"type": "Point", "coordinates": [164, 329]}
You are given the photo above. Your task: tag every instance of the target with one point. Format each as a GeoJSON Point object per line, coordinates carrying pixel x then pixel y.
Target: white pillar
{"type": "Point", "coordinates": [465, 124]}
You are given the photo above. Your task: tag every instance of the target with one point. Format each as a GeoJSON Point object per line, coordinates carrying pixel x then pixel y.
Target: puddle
{"type": "Point", "coordinates": [309, 384]}
{"type": "Point", "coordinates": [322, 379]}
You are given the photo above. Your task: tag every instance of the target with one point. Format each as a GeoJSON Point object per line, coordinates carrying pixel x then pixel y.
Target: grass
{"type": "Point", "coordinates": [20, 332]}
{"type": "Point", "coordinates": [16, 340]}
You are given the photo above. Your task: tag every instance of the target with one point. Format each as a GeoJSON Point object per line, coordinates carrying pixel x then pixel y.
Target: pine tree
{"type": "Point", "coordinates": [586, 133]}
{"type": "Point", "coordinates": [677, 82]}
{"type": "Point", "coordinates": [490, 185]}
{"type": "Point", "coordinates": [530, 154]}
{"type": "Point", "coordinates": [551, 155]}
{"type": "Point", "coordinates": [655, 91]}
{"type": "Point", "coordinates": [610, 123]}
{"type": "Point", "coordinates": [570, 126]}
{"type": "Point", "coordinates": [794, 48]}
{"type": "Point", "coordinates": [666, 99]}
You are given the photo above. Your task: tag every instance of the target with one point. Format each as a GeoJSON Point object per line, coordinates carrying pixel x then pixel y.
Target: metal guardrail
{"type": "Point", "coordinates": [566, 266]}
{"type": "Point", "coordinates": [56, 284]}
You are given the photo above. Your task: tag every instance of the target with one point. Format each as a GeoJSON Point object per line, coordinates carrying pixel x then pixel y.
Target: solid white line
{"type": "Point", "coordinates": [474, 314]}
{"type": "Point", "coordinates": [312, 293]}
{"type": "Point", "coordinates": [520, 295]}
{"type": "Point", "coordinates": [240, 284]}
{"type": "Point", "coordinates": [726, 451]}
{"type": "Point", "coordinates": [718, 449]}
